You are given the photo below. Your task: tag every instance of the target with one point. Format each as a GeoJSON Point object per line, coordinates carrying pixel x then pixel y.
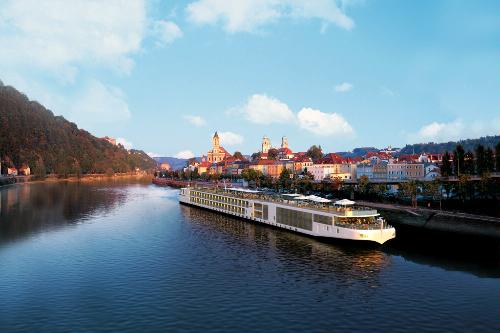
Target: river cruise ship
{"type": "Point", "coordinates": [311, 215]}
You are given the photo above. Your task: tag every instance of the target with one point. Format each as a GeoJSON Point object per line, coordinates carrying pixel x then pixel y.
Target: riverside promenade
{"type": "Point", "coordinates": [438, 220]}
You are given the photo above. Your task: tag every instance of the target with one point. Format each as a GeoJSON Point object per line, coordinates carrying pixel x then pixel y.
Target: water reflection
{"type": "Point", "coordinates": [344, 267]}
{"type": "Point", "coordinates": [352, 262]}
{"type": "Point", "coordinates": [31, 208]}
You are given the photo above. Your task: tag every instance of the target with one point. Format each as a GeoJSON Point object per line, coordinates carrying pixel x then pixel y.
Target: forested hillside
{"type": "Point", "coordinates": [439, 148]}
{"type": "Point", "coordinates": [30, 134]}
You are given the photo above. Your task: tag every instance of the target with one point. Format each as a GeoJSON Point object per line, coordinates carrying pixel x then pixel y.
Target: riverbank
{"type": "Point", "coordinates": [438, 220]}
{"type": "Point", "coordinates": [405, 218]}
{"type": "Point", "coordinates": [84, 178]}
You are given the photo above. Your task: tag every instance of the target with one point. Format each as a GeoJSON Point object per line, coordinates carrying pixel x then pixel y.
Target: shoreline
{"type": "Point", "coordinates": [24, 180]}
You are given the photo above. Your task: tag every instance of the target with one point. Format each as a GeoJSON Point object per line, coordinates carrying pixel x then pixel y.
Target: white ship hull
{"type": "Point", "coordinates": [272, 213]}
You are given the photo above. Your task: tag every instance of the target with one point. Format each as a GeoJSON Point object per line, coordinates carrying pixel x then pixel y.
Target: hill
{"type": "Point", "coordinates": [30, 134]}
{"type": "Point", "coordinates": [439, 148]}
{"type": "Point", "coordinates": [175, 163]}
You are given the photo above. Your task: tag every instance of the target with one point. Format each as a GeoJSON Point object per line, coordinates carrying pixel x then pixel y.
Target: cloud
{"type": "Point", "coordinates": [167, 32]}
{"type": "Point", "coordinates": [385, 91]}
{"type": "Point", "coordinates": [343, 87]}
{"type": "Point", "coordinates": [261, 109]}
{"type": "Point", "coordinates": [152, 155]}
{"type": "Point", "coordinates": [195, 120]}
{"type": "Point", "coordinates": [185, 154]}
{"type": "Point", "coordinates": [127, 144]}
{"type": "Point", "coordinates": [57, 36]}
{"type": "Point", "coordinates": [455, 130]}
{"type": "Point", "coordinates": [99, 104]}
{"type": "Point", "coordinates": [250, 15]}
{"type": "Point", "coordinates": [230, 138]}
{"type": "Point", "coordinates": [323, 124]}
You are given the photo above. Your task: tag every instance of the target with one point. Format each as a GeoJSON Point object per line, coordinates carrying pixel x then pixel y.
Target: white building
{"type": "Point", "coordinates": [432, 172]}
{"type": "Point", "coordinates": [364, 170]}
{"type": "Point", "coordinates": [404, 171]}
{"type": "Point", "coordinates": [345, 171]}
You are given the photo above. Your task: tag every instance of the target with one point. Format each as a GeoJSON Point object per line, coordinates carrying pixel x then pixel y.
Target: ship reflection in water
{"type": "Point", "coordinates": [127, 257]}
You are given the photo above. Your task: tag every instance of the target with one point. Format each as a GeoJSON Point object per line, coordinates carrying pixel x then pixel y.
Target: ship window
{"type": "Point", "coordinates": [322, 219]}
{"type": "Point", "coordinates": [294, 218]}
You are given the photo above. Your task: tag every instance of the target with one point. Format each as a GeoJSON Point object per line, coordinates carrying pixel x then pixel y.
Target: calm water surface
{"type": "Point", "coordinates": [129, 258]}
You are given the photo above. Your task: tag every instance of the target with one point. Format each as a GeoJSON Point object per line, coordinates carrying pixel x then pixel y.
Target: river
{"type": "Point", "coordinates": [120, 256]}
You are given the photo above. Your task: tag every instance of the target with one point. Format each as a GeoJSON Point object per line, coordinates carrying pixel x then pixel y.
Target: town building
{"type": "Point", "coordinates": [165, 166]}
{"type": "Point", "coordinates": [301, 163]}
{"type": "Point", "coordinates": [12, 172]}
{"type": "Point", "coordinates": [266, 145]}
{"type": "Point", "coordinates": [24, 170]}
{"type": "Point", "coordinates": [432, 171]}
{"type": "Point", "coordinates": [218, 153]}
{"type": "Point", "coordinates": [365, 170]}
{"type": "Point", "coordinates": [405, 171]}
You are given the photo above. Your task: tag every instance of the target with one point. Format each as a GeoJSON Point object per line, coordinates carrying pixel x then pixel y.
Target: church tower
{"type": "Point", "coordinates": [284, 142]}
{"type": "Point", "coordinates": [266, 144]}
{"type": "Point", "coordinates": [215, 143]}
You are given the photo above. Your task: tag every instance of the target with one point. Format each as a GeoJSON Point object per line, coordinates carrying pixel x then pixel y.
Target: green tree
{"type": "Point", "coordinates": [446, 165]}
{"type": "Point", "coordinates": [480, 160]}
{"type": "Point", "coordinates": [489, 160]}
{"type": "Point", "coordinates": [315, 152]}
{"type": "Point", "coordinates": [364, 184]}
{"type": "Point", "coordinates": [458, 160]}
{"type": "Point", "coordinates": [433, 189]}
{"type": "Point", "coordinates": [39, 169]}
{"type": "Point", "coordinates": [497, 157]}
{"type": "Point", "coordinates": [468, 163]}
{"type": "Point", "coordinates": [409, 190]}
{"type": "Point", "coordinates": [255, 156]}
{"type": "Point", "coordinates": [238, 155]}
{"type": "Point", "coordinates": [272, 154]}
{"type": "Point", "coordinates": [285, 179]}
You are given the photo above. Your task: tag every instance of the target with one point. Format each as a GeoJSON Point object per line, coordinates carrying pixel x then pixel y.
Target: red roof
{"type": "Point", "coordinates": [285, 150]}
{"type": "Point", "coordinates": [205, 164]}
{"type": "Point", "coordinates": [301, 158]}
{"type": "Point", "coordinates": [381, 155]}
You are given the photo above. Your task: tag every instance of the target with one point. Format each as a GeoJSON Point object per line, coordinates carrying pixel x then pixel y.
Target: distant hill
{"type": "Point", "coordinates": [175, 163]}
{"type": "Point", "coordinates": [30, 134]}
{"type": "Point", "coordinates": [358, 152]}
{"type": "Point", "coordinates": [439, 148]}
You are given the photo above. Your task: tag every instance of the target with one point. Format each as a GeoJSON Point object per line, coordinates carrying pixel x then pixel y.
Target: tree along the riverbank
{"type": "Point", "coordinates": [480, 162]}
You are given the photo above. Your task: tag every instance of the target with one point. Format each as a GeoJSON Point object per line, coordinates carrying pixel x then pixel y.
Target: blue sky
{"type": "Point", "coordinates": [164, 75]}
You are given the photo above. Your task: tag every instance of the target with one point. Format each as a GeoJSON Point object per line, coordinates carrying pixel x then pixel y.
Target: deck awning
{"type": "Point", "coordinates": [242, 190]}
{"type": "Point", "coordinates": [344, 202]}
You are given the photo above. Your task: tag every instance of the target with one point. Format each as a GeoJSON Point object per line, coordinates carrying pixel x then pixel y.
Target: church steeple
{"type": "Point", "coordinates": [215, 142]}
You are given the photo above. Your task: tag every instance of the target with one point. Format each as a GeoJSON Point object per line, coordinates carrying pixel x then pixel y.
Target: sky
{"type": "Point", "coordinates": [163, 76]}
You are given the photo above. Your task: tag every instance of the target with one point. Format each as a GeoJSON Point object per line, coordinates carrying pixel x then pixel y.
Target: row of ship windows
{"type": "Point", "coordinates": [229, 208]}
{"type": "Point", "coordinates": [220, 198]}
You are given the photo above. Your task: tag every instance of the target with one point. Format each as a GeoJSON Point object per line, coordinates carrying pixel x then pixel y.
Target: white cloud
{"type": "Point", "coordinates": [166, 32]}
{"type": "Point", "coordinates": [455, 130]}
{"type": "Point", "coordinates": [99, 104]}
{"type": "Point", "coordinates": [152, 155]}
{"type": "Point", "coordinates": [387, 91]}
{"type": "Point", "coordinates": [195, 120]}
{"type": "Point", "coordinates": [230, 138]}
{"type": "Point", "coordinates": [127, 144]}
{"type": "Point", "coordinates": [250, 15]}
{"type": "Point", "coordinates": [59, 35]}
{"type": "Point", "coordinates": [323, 124]}
{"type": "Point", "coordinates": [344, 87]}
{"type": "Point", "coordinates": [261, 109]}
{"type": "Point", "coordinates": [185, 154]}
